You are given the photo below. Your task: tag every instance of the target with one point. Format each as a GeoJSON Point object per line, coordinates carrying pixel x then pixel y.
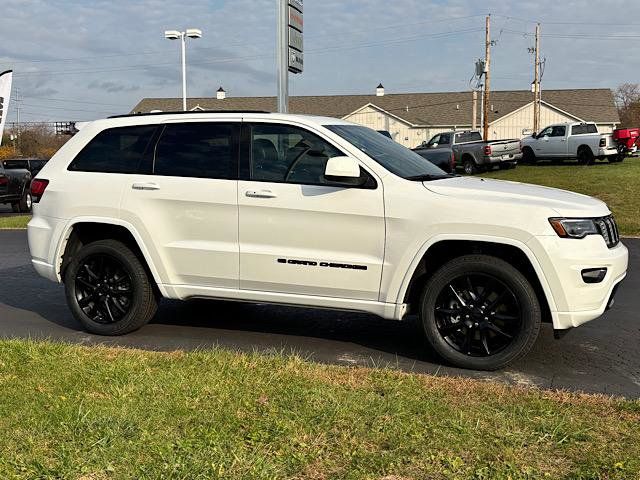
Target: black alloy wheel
{"type": "Point", "coordinates": [478, 315]}
{"type": "Point", "coordinates": [104, 289]}
{"type": "Point", "coordinates": [479, 312]}
{"type": "Point", "coordinates": [108, 288]}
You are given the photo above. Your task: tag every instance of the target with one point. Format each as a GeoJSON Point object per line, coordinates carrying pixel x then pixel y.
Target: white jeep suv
{"type": "Point", "coordinates": [316, 212]}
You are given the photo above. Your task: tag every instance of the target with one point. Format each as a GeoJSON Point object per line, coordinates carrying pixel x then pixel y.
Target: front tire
{"type": "Point", "coordinates": [480, 313]}
{"type": "Point", "coordinates": [108, 289]}
{"type": "Point", "coordinates": [528, 156]}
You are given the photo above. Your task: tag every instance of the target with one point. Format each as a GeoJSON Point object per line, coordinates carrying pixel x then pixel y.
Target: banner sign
{"type": "Point", "coordinates": [5, 93]}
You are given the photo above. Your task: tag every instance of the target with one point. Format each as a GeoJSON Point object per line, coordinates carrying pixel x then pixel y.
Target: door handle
{"type": "Point", "coordinates": [145, 186]}
{"type": "Point", "coordinates": [260, 194]}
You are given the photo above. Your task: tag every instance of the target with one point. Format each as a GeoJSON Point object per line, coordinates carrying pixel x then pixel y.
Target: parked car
{"type": "Point", "coordinates": [442, 158]}
{"type": "Point", "coordinates": [314, 212]}
{"type": "Point", "coordinates": [475, 154]}
{"type": "Point", "coordinates": [34, 165]}
{"type": "Point", "coordinates": [15, 187]}
{"type": "Point", "coordinates": [577, 140]}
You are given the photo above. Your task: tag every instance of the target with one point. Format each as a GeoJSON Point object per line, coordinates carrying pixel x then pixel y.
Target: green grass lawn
{"type": "Point", "coordinates": [102, 413]}
{"type": "Point", "coordinates": [616, 184]}
{"type": "Point", "coordinates": [17, 221]}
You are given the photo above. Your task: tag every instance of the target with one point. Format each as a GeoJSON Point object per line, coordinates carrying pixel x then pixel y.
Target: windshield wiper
{"type": "Point", "coordinates": [427, 177]}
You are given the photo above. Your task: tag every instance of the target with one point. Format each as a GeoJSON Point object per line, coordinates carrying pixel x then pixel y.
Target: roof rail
{"type": "Point", "coordinates": [180, 112]}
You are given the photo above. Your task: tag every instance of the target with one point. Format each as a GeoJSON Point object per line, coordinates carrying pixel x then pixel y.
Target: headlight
{"type": "Point", "coordinates": [574, 227]}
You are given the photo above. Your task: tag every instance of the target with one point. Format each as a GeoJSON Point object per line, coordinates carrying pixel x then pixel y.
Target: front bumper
{"type": "Point", "coordinates": [563, 260]}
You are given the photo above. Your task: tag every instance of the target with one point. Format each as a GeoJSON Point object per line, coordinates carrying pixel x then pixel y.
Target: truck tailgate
{"type": "Point", "coordinates": [505, 147]}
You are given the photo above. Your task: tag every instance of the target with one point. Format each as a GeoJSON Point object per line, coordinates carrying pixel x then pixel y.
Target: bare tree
{"type": "Point", "coordinates": [39, 140]}
{"type": "Point", "coordinates": [627, 98]}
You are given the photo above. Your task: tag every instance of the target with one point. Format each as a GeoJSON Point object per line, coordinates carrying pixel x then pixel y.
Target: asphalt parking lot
{"type": "Point", "coordinates": [600, 357]}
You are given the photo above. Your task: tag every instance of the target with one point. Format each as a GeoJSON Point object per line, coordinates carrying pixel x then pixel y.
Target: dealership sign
{"type": "Point", "coordinates": [295, 36]}
{"type": "Point", "coordinates": [5, 92]}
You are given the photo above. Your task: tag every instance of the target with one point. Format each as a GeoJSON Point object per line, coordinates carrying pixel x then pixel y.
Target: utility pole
{"type": "Point", "coordinates": [536, 83]}
{"type": "Point", "coordinates": [487, 79]}
{"type": "Point", "coordinates": [474, 110]}
{"type": "Point", "coordinates": [17, 140]}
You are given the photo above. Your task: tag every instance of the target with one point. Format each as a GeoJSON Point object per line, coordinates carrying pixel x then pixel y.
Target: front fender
{"type": "Point", "coordinates": [400, 285]}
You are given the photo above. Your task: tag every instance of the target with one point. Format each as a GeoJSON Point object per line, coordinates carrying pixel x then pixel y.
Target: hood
{"type": "Point", "coordinates": [564, 203]}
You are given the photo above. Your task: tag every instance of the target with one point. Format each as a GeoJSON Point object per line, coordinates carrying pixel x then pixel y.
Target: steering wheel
{"type": "Point", "coordinates": [295, 162]}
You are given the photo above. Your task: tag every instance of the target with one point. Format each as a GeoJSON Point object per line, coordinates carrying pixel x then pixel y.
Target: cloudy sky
{"type": "Point", "coordinates": [85, 59]}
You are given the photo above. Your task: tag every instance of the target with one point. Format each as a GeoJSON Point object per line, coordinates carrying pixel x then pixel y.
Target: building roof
{"type": "Point", "coordinates": [424, 109]}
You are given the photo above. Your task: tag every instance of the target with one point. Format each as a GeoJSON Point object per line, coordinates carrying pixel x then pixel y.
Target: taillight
{"type": "Point", "coordinates": [487, 151]}
{"type": "Point", "coordinates": [452, 162]}
{"type": "Point", "coordinates": [38, 186]}
{"type": "Point", "coordinates": [603, 142]}
{"type": "Point", "coordinates": [4, 180]}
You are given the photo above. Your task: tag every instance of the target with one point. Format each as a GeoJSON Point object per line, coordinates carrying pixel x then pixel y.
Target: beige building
{"type": "Point", "coordinates": [412, 118]}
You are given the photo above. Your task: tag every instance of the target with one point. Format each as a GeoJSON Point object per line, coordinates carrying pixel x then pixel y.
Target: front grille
{"type": "Point", "coordinates": [609, 230]}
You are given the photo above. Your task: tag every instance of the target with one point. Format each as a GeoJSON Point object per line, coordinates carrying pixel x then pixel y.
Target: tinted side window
{"type": "Point", "coordinates": [445, 139]}
{"type": "Point", "coordinates": [281, 153]}
{"type": "Point", "coordinates": [558, 131]}
{"type": "Point", "coordinates": [204, 150]}
{"type": "Point", "coordinates": [584, 129]}
{"type": "Point", "coordinates": [117, 150]}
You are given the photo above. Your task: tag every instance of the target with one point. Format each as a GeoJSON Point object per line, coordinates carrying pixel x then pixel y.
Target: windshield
{"type": "Point", "coordinates": [391, 155]}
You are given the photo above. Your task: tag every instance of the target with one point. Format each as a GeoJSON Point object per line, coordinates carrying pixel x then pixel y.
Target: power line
{"type": "Point", "coordinates": [260, 56]}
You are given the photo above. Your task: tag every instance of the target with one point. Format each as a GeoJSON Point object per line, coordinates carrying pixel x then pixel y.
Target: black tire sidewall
{"type": "Point", "coordinates": [140, 284]}
{"type": "Point", "coordinates": [25, 206]}
{"type": "Point", "coordinates": [512, 278]}
{"type": "Point", "coordinates": [469, 167]}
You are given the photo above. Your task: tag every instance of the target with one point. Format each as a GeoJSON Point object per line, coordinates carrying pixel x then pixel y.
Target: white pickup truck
{"type": "Point", "coordinates": [569, 141]}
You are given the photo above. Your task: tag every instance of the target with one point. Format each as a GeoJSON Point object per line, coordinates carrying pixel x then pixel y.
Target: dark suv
{"type": "Point", "coordinates": [15, 184]}
{"type": "Point", "coordinates": [34, 165]}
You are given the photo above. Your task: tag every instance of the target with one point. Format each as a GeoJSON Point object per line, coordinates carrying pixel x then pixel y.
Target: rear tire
{"type": "Point", "coordinates": [26, 202]}
{"type": "Point", "coordinates": [469, 166]}
{"type": "Point", "coordinates": [585, 156]}
{"type": "Point", "coordinates": [480, 313]}
{"type": "Point", "coordinates": [108, 289]}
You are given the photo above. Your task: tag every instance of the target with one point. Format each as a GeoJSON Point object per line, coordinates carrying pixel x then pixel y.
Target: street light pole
{"type": "Point", "coordinates": [182, 36]}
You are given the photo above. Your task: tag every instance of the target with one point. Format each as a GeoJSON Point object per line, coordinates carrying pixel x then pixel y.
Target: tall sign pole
{"type": "Point", "coordinates": [487, 79]}
{"type": "Point", "coordinates": [290, 55]}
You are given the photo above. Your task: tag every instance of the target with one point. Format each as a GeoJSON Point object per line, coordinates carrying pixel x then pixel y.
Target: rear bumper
{"type": "Point", "coordinates": [503, 159]}
{"type": "Point", "coordinates": [563, 260]}
{"type": "Point", "coordinates": [43, 234]}
{"type": "Point", "coordinates": [607, 152]}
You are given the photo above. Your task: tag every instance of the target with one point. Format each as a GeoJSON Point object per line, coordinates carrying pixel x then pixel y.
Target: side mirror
{"type": "Point", "coordinates": [343, 170]}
